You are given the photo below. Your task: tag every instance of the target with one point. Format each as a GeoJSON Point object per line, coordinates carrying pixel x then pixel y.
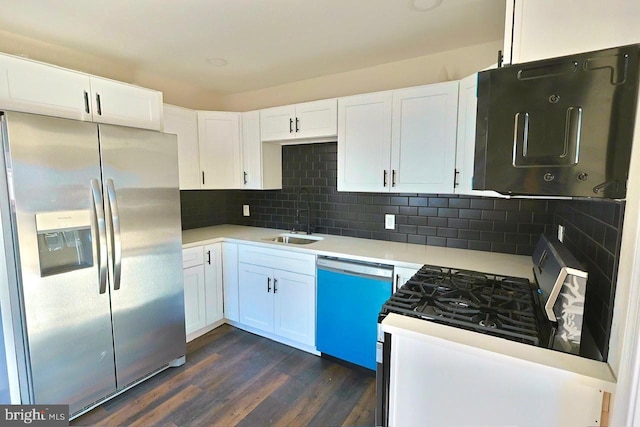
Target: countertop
{"type": "Point", "coordinates": [399, 254]}
{"type": "Point", "coordinates": [597, 374]}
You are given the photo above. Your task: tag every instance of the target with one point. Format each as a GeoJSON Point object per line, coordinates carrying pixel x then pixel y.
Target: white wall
{"type": "Point", "coordinates": [435, 68]}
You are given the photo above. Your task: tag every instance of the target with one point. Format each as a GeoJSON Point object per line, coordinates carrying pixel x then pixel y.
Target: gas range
{"type": "Point", "coordinates": [506, 307]}
{"type": "Point", "coordinates": [547, 313]}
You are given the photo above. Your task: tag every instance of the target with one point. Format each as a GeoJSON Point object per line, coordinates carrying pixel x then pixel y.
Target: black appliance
{"type": "Point", "coordinates": [558, 127]}
{"type": "Point", "coordinates": [547, 313]}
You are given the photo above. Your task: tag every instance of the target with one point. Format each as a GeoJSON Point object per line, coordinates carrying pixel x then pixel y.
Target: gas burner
{"type": "Point", "coordinates": [485, 303]}
{"type": "Point", "coordinates": [488, 323]}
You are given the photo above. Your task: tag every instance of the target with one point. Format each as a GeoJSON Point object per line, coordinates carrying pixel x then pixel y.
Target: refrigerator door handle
{"type": "Point", "coordinates": [116, 244]}
{"type": "Point", "coordinates": [101, 236]}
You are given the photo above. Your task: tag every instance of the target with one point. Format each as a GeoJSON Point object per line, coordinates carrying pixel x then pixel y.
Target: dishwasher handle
{"type": "Point", "coordinates": [356, 268]}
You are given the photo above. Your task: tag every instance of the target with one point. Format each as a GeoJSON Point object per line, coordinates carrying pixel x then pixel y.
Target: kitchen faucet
{"type": "Point", "coordinates": [298, 210]}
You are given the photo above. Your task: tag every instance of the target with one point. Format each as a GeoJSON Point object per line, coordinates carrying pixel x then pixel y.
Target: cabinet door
{"type": "Point", "coordinates": [32, 87]}
{"type": "Point", "coordinates": [127, 105]}
{"type": "Point", "coordinates": [317, 119]}
{"type": "Point", "coordinates": [230, 281]}
{"type": "Point", "coordinates": [364, 142]}
{"type": "Point", "coordinates": [261, 162]}
{"type": "Point", "coordinates": [295, 307]}
{"type": "Point", "coordinates": [550, 28]}
{"type": "Point", "coordinates": [220, 154]}
{"type": "Point", "coordinates": [278, 123]}
{"type": "Point", "coordinates": [401, 275]}
{"type": "Point", "coordinates": [213, 282]}
{"type": "Point", "coordinates": [251, 151]}
{"type": "Point", "coordinates": [466, 139]}
{"type": "Point", "coordinates": [184, 123]}
{"type": "Point", "coordinates": [424, 138]}
{"type": "Point", "coordinates": [194, 299]}
{"type": "Point", "coordinates": [255, 285]}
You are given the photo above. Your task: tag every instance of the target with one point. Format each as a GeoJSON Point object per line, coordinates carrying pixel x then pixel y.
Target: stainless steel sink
{"type": "Point", "coordinates": [294, 239]}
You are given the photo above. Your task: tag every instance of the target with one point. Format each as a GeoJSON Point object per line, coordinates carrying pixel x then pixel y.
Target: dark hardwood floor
{"type": "Point", "coordinates": [234, 378]}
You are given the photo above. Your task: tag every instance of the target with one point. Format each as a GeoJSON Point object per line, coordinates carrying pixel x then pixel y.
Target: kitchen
{"type": "Point", "coordinates": [534, 216]}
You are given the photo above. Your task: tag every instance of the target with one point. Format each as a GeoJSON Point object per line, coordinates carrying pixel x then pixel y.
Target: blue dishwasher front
{"type": "Point", "coordinates": [350, 296]}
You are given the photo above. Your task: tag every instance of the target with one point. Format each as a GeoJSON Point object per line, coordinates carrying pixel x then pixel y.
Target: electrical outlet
{"type": "Point", "coordinates": [560, 233]}
{"type": "Point", "coordinates": [389, 221]}
{"type": "Point", "coordinates": [245, 210]}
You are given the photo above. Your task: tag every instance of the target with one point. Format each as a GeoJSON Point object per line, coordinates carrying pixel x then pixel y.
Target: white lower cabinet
{"type": "Point", "coordinates": [202, 271]}
{"type": "Point", "coordinates": [279, 303]}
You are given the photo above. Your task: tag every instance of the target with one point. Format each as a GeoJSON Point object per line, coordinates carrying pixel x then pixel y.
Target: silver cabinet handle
{"type": "Point", "coordinates": [275, 285]}
{"type": "Point", "coordinates": [101, 235]}
{"type": "Point", "coordinates": [116, 244]}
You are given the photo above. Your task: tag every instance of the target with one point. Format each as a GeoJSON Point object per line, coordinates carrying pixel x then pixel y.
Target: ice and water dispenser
{"type": "Point", "coordinates": [64, 241]}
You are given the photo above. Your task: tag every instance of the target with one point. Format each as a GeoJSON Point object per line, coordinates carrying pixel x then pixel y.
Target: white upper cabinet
{"type": "Point", "coordinates": [315, 121]}
{"type": "Point", "coordinates": [119, 103]}
{"type": "Point", "coordinates": [277, 123]}
{"type": "Point", "coordinates": [184, 123]}
{"type": "Point", "coordinates": [466, 138]}
{"type": "Point", "coordinates": [423, 142]}
{"type": "Point", "coordinates": [220, 153]}
{"type": "Point", "coordinates": [549, 28]}
{"type": "Point", "coordinates": [364, 142]}
{"type": "Point", "coordinates": [261, 162]}
{"type": "Point", "coordinates": [398, 141]}
{"type": "Point", "coordinates": [35, 87]}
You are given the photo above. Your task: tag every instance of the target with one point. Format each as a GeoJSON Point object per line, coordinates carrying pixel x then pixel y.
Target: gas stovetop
{"type": "Point", "coordinates": [505, 307]}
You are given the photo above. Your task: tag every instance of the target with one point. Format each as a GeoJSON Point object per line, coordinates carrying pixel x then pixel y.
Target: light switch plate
{"type": "Point", "coordinates": [389, 221]}
{"type": "Point", "coordinates": [245, 210]}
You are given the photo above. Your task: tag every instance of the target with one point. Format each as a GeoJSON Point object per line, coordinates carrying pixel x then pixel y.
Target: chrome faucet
{"type": "Point", "coordinates": [298, 210]}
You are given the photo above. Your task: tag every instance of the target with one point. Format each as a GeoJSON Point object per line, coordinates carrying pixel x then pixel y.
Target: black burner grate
{"type": "Point", "coordinates": [496, 305]}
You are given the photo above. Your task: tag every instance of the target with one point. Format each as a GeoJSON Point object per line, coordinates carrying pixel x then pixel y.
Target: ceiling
{"type": "Point", "coordinates": [264, 42]}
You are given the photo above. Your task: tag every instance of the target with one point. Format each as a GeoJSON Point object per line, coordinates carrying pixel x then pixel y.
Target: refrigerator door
{"type": "Point", "coordinates": [142, 206]}
{"type": "Point", "coordinates": [53, 172]}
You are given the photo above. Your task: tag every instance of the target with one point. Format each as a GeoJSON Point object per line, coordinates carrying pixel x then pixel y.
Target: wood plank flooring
{"type": "Point", "coordinates": [234, 378]}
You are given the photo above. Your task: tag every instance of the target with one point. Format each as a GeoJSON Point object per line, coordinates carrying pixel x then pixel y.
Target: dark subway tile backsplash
{"type": "Point", "coordinates": [593, 228]}
{"type": "Point", "coordinates": [203, 208]}
{"type": "Point", "coordinates": [593, 232]}
{"type": "Point", "coordinates": [497, 225]}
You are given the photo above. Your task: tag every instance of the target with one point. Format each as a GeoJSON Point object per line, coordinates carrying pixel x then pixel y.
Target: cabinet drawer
{"type": "Point", "coordinates": [278, 259]}
{"type": "Point", "coordinates": [192, 256]}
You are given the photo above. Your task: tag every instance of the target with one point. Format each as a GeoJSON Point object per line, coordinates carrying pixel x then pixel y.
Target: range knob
{"type": "Point", "coordinates": [549, 177]}
{"type": "Point", "coordinates": [582, 176]}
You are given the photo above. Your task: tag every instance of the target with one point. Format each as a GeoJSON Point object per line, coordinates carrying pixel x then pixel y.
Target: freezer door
{"type": "Point", "coordinates": [53, 171]}
{"type": "Point", "coordinates": [142, 205]}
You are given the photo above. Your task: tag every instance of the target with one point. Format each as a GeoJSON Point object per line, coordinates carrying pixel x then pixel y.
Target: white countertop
{"type": "Point", "coordinates": [597, 374]}
{"type": "Point", "coordinates": [399, 254]}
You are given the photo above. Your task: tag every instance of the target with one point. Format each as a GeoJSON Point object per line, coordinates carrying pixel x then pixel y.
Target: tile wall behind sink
{"type": "Point", "coordinates": [593, 228]}
{"type": "Point", "coordinates": [496, 225]}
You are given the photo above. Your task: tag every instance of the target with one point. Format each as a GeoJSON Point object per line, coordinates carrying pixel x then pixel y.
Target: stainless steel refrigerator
{"type": "Point", "coordinates": [91, 234]}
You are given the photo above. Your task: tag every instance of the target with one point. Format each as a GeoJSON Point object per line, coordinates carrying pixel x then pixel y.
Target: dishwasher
{"type": "Point", "coordinates": [349, 298]}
